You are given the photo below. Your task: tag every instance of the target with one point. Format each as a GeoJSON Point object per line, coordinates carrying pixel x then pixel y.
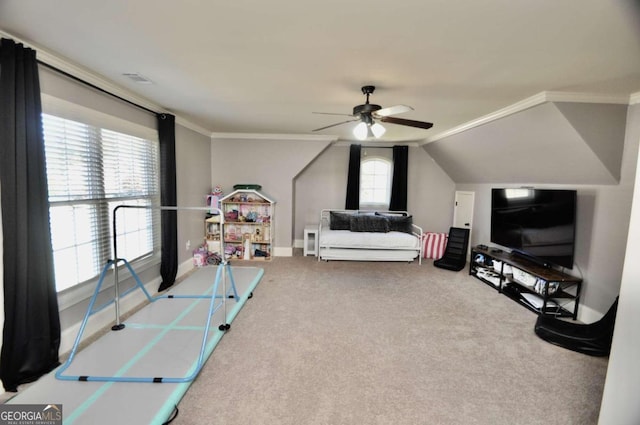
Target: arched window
{"type": "Point", "coordinates": [375, 183]}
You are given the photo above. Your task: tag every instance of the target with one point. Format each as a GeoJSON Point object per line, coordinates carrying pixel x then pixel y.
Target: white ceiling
{"type": "Point", "coordinates": [251, 66]}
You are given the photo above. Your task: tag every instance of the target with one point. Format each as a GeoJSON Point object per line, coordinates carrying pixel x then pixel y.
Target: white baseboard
{"type": "Point", "coordinates": [280, 251]}
{"type": "Point", "coordinates": [588, 314]}
{"type": "Point", "coordinates": [298, 243]}
{"type": "Point", "coordinates": [185, 267]}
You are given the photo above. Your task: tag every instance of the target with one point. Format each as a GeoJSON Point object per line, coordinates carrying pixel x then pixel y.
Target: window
{"type": "Point", "coordinates": [375, 183]}
{"type": "Point", "coordinates": [90, 171]}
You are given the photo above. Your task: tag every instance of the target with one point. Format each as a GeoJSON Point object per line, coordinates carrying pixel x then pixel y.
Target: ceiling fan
{"type": "Point", "coordinates": [368, 113]}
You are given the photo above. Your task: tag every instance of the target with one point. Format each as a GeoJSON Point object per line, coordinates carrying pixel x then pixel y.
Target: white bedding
{"type": "Point", "coordinates": [368, 254]}
{"type": "Point", "coordinates": [367, 246]}
{"type": "Point", "coordinates": [368, 240]}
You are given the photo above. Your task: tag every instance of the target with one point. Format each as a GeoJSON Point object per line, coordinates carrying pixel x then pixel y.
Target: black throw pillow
{"type": "Point", "coordinates": [340, 220]}
{"type": "Point", "coordinates": [399, 223]}
{"type": "Point", "coordinates": [369, 223]}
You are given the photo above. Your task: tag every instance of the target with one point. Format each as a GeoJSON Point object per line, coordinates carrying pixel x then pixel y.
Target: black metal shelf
{"type": "Point", "coordinates": [554, 303]}
{"type": "Point", "coordinates": [554, 309]}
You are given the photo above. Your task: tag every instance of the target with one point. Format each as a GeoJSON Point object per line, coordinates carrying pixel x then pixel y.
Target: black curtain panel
{"type": "Point", "coordinates": [169, 259]}
{"type": "Point", "coordinates": [31, 334]}
{"type": "Point", "coordinates": [353, 179]}
{"type": "Point", "coordinates": [399, 183]}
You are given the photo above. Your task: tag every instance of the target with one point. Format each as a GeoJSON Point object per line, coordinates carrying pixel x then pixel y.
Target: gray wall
{"type": "Point", "coordinates": [193, 182]}
{"type": "Point", "coordinates": [620, 398]}
{"type": "Point", "coordinates": [602, 221]}
{"type": "Point", "coordinates": [322, 185]}
{"type": "Point", "coordinates": [271, 163]}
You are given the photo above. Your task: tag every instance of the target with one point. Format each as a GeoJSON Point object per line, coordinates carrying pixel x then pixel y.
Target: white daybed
{"type": "Point", "coordinates": [345, 235]}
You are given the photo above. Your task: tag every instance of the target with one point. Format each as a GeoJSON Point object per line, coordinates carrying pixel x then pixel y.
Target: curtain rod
{"type": "Point", "coordinates": [93, 86]}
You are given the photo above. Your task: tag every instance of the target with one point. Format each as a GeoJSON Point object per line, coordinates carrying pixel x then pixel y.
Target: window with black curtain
{"type": "Point", "coordinates": [399, 182]}
{"type": "Point", "coordinates": [90, 171]}
{"type": "Point", "coordinates": [352, 201]}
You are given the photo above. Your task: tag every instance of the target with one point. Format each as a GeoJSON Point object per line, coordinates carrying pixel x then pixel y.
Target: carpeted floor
{"type": "Point", "coordinates": [387, 343]}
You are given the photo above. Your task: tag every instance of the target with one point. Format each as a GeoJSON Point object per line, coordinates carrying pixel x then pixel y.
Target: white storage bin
{"type": "Point", "coordinates": [524, 278]}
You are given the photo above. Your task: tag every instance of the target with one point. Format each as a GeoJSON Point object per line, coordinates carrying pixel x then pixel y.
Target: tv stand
{"type": "Point", "coordinates": [541, 289]}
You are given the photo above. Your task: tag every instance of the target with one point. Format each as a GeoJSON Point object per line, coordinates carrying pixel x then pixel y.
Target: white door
{"type": "Point", "coordinates": [463, 210]}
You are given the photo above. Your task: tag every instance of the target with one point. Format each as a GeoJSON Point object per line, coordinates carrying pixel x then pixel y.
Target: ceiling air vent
{"type": "Point", "coordinates": [137, 78]}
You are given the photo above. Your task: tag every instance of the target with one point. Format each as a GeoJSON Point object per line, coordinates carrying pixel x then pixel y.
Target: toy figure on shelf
{"type": "Point", "coordinates": [252, 216]}
{"type": "Point", "coordinates": [213, 199]}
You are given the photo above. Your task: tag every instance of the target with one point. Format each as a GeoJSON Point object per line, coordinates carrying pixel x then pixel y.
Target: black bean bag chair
{"type": "Point", "coordinates": [593, 339]}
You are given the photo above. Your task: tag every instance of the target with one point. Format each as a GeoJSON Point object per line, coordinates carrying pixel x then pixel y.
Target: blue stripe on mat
{"type": "Point", "coordinates": [173, 400]}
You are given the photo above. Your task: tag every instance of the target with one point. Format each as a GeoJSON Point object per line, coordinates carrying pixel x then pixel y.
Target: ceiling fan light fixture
{"type": "Point", "coordinates": [368, 113]}
{"type": "Point", "coordinates": [361, 131]}
{"type": "Point", "coordinates": [378, 130]}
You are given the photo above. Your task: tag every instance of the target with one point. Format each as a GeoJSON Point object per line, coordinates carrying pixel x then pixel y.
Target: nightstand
{"type": "Point", "coordinates": [310, 240]}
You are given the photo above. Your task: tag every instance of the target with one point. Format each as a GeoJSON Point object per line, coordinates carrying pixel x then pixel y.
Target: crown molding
{"type": "Point", "coordinates": [277, 137]}
{"type": "Point", "coordinates": [372, 144]}
{"type": "Point", "coordinates": [554, 96]}
{"type": "Point", "coordinates": [97, 80]}
{"type": "Point", "coordinates": [634, 99]}
{"type": "Point", "coordinates": [530, 102]}
{"type": "Point", "coordinates": [527, 103]}
{"type": "Point", "coordinates": [191, 126]}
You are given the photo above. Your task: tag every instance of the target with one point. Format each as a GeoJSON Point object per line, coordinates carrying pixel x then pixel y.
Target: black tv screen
{"type": "Point", "coordinates": [537, 223]}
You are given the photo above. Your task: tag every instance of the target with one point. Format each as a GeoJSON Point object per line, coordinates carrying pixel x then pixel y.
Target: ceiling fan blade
{"type": "Point", "coordinates": [333, 125]}
{"type": "Point", "coordinates": [410, 123]}
{"type": "Point", "coordinates": [393, 110]}
{"type": "Point", "coordinates": [332, 113]}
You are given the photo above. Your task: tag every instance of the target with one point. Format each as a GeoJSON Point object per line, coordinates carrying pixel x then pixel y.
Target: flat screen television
{"type": "Point", "coordinates": [536, 223]}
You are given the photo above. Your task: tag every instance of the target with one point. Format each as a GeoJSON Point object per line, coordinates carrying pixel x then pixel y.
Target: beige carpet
{"type": "Point", "coordinates": [387, 343]}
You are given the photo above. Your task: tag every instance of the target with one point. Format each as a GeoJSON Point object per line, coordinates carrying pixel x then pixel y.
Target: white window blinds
{"type": "Point", "coordinates": [90, 171]}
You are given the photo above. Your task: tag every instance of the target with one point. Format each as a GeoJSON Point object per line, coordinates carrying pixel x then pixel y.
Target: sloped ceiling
{"type": "Point", "coordinates": [552, 143]}
{"type": "Point", "coordinates": [602, 128]}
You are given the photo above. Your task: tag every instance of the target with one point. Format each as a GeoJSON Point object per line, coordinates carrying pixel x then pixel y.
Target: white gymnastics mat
{"type": "Point", "coordinates": [162, 340]}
